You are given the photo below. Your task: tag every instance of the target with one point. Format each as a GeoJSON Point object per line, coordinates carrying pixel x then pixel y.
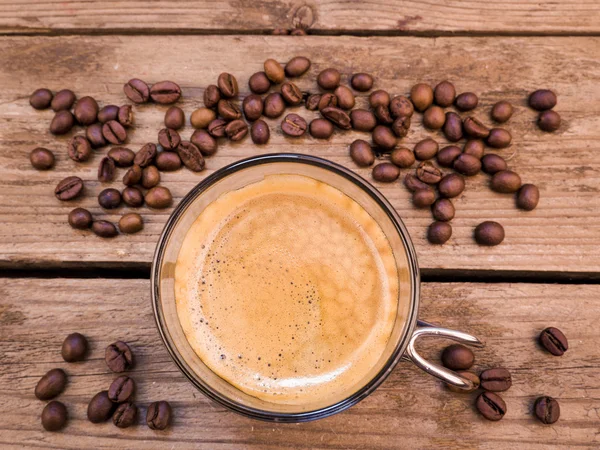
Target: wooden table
{"type": "Point", "coordinates": [54, 280]}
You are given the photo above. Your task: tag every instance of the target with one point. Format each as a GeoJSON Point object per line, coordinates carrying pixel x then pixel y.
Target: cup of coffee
{"type": "Point", "coordinates": [286, 288]}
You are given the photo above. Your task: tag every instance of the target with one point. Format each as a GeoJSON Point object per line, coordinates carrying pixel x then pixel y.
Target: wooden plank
{"type": "Point", "coordinates": [562, 234]}
{"type": "Point", "coordinates": [324, 16]}
{"type": "Point", "coordinates": [410, 410]}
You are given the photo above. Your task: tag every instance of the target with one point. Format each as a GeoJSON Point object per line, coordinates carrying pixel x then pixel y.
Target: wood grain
{"type": "Point", "coordinates": [562, 234]}
{"type": "Point", "coordinates": [323, 16]}
{"type": "Point", "coordinates": [410, 409]}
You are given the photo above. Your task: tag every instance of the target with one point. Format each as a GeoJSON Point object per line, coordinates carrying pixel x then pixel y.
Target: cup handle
{"type": "Point", "coordinates": [425, 329]}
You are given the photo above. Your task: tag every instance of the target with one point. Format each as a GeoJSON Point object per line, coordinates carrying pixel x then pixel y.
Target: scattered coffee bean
{"type": "Point", "coordinates": [345, 97]}
{"type": "Point", "coordinates": [492, 163]}
{"type": "Point", "coordinates": [423, 198]}
{"type": "Point", "coordinates": [326, 100]}
{"type": "Point", "coordinates": [466, 101]}
{"type": "Point", "coordinates": [212, 95]}
{"type": "Point", "coordinates": [150, 177]}
{"type": "Point", "coordinates": [451, 185]}
{"type": "Point", "coordinates": [253, 107]}
{"type": "Point", "coordinates": [201, 139]}
{"type": "Point", "coordinates": [259, 83]}
{"type": "Point", "coordinates": [321, 128]}
{"type": "Point", "coordinates": [86, 110]}
{"type": "Point", "coordinates": [293, 125]}
{"type": "Point", "coordinates": [51, 384]}
{"type": "Point", "coordinates": [145, 155]}
{"type": "Point", "coordinates": [228, 85]}
{"type": "Point", "coordinates": [63, 100]}
{"type": "Point", "coordinates": [502, 111]}
{"type": "Point", "coordinates": [542, 100]}
{"type": "Point", "coordinates": [467, 165]}
{"type": "Point", "coordinates": [528, 197]}
{"type": "Point", "coordinates": [338, 116]}
{"type": "Point", "coordinates": [413, 184]}
{"type": "Point", "coordinates": [495, 380]}
{"type": "Point", "coordinates": [379, 98]}
{"type": "Point", "coordinates": [125, 115]}
{"type": "Point", "coordinates": [105, 229]}
{"type": "Point", "coordinates": [201, 117]}
{"type": "Point", "coordinates": [312, 102]}
{"type": "Point", "coordinates": [421, 96]}
{"type": "Point", "coordinates": [41, 98]}
{"type": "Point", "coordinates": [94, 135]}
{"type": "Point", "coordinates": [54, 416]}
{"type": "Point", "coordinates": [428, 173]}
{"type": "Point", "coordinates": [547, 410]}
{"type": "Point", "coordinates": [190, 156]}
{"type": "Point", "coordinates": [108, 112]}
{"type": "Point", "coordinates": [165, 92]}
{"type": "Point", "coordinates": [383, 115]}
{"type": "Point", "coordinates": [106, 170]}
{"type": "Point", "coordinates": [443, 210]}
{"type": "Point", "coordinates": [475, 128]}
{"type": "Point", "coordinates": [259, 132]}
{"type": "Point", "coordinates": [439, 233]}
{"type": "Point", "coordinates": [132, 196]}
{"type": "Point", "coordinates": [489, 233]}
{"type": "Point", "coordinates": [123, 157]}
{"type": "Point", "coordinates": [174, 118]}
{"type": "Point", "coordinates": [125, 415]}
{"type": "Point", "coordinates": [169, 139]}
{"type": "Point", "coordinates": [69, 188]}
{"type": "Point", "coordinates": [274, 105]}
{"type": "Point", "coordinates": [130, 223]}
{"type": "Point", "coordinates": [80, 219]}
{"type": "Point", "coordinates": [444, 94]}
{"type": "Point", "coordinates": [114, 132]}
{"type": "Point", "coordinates": [385, 172]}
{"type": "Point", "coordinates": [158, 197]}
{"type": "Point", "coordinates": [132, 176]}
{"type": "Point", "coordinates": [402, 157]}
{"type": "Point", "coordinates": [158, 415]}
{"type": "Point", "coordinates": [549, 121]}
{"type": "Point", "coordinates": [100, 408]}
{"type": "Point", "coordinates": [361, 82]}
{"type": "Point", "coordinates": [491, 406]}
{"type": "Point", "coordinates": [401, 106]}
{"type": "Point", "coordinates": [426, 149]}
{"type": "Point", "coordinates": [297, 66]}
{"type": "Point", "coordinates": [453, 127]}
{"type": "Point", "coordinates": [75, 345]}
{"type": "Point", "coordinates": [236, 130]}
{"type": "Point", "coordinates": [499, 138]}
{"type": "Point", "coordinates": [384, 138]}
{"type": "Point", "coordinates": [553, 340]}
{"type": "Point", "coordinates": [137, 90]}
{"type": "Point", "coordinates": [468, 375]}
{"type": "Point", "coordinates": [457, 357]}
{"type": "Point", "coordinates": [474, 147]}
{"type": "Point", "coordinates": [329, 79]}
{"type": "Point", "coordinates": [217, 128]}
{"type": "Point", "coordinates": [434, 118]}
{"type": "Point", "coordinates": [109, 198]}
{"type": "Point", "coordinates": [505, 181]}
{"type": "Point", "coordinates": [79, 149]}
{"type": "Point", "coordinates": [62, 122]}
{"type": "Point", "coordinates": [362, 120]}
{"type": "Point", "coordinates": [290, 93]}
{"type": "Point", "coordinates": [123, 387]}
{"type": "Point", "coordinates": [361, 153]}
{"type": "Point", "coordinates": [447, 155]}
{"type": "Point", "coordinates": [118, 355]}
{"type": "Point", "coordinates": [274, 71]}
{"type": "Point", "coordinates": [41, 158]}
{"type": "Point", "coordinates": [401, 126]}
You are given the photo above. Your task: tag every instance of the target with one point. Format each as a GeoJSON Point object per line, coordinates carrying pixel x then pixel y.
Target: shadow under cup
{"type": "Point", "coordinates": [237, 176]}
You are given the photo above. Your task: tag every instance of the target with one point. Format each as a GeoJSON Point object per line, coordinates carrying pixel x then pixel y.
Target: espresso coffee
{"type": "Point", "coordinates": [288, 290]}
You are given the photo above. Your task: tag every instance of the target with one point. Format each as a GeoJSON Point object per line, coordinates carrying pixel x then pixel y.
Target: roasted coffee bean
{"type": "Point", "coordinates": [362, 120]}
{"type": "Point", "coordinates": [528, 197]}
{"type": "Point", "coordinates": [62, 122]}
{"type": "Point", "coordinates": [108, 112]}
{"type": "Point", "coordinates": [125, 115]}
{"type": "Point", "coordinates": [345, 97]}
{"type": "Point", "coordinates": [467, 165]}
{"type": "Point", "coordinates": [106, 170]}
{"type": "Point", "coordinates": [401, 106]}
{"type": "Point", "coordinates": [94, 135]}
{"type": "Point", "coordinates": [492, 163]}
{"type": "Point", "coordinates": [457, 357]}
{"type": "Point", "coordinates": [114, 132]}
{"type": "Point", "coordinates": [145, 155]}
{"type": "Point", "coordinates": [41, 158]}
{"type": "Point", "coordinates": [259, 83]}
{"type": "Point", "coordinates": [443, 210]}
{"type": "Point", "coordinates": [553, 340]}
{"type": "Point", "coordinates": [80, 219]}
{"type": "Point", "coordinates": [123, 387]}
{"type": "Point", "coordinates": [41, 98]}
{"type": "Point", "coordinates": [150, 177]}
{"type": "Point", "coordinates": [402, 157]}
{"type": "Point", "coordinates": [426, 149]}
{"type": "Point", "coordinates": [361, 82]}
{"type": "Point", "coordinates": [158, 197]}
{"type": "Point", "coordinates": [190, 156]}
{"type": "Point", "coordinates": [174, 118]}
{"type": "Point", "coordinates": [130, 223]}
{"type": "Point", "coordinates": [123, 157]}
{"type": "Point", "coordinates": [451, 185]}
{"type": "Point", "coordinates": [253, 107]}
{"type": "Point", "coordinates": [63, 100]}
{"type": "Point", "coordinates": [125, 415]}
{"type": "Point", "coordinates": [385, 172]}
{"type": "Point", "coordinates": [105, 229]}
{"type": "Point", "coordinates": [291, 94]}
{"type": "Point", "coordinates": [86, 110]}
{"type": "Point", "coordinates": [428, 173]}
{"type": "Point", "coordinates": [401, 126]}
{"type": "Point", "coordinates": [54, 416]}
{"type": "Point", "coordinates": [361, 153]}
{"type": "Point", "coordinates": [383, 114]}
{"type": "Point", "coordinates": [79, 149]}
{"type": "Point", "coordinates": [547, 410]}
{"type": "Point", "coordinates": [423, 198]}
{"type": "Point", "coordinates": [205, 143]}
{"type": "Point", "coordinates": [444, 94]}
{"type": "Point", "coordinates": [217, 128]}
{"type": "Point", "coordinates": [69, 188]}
{"type": "Point", "coordinates": [384, 138]}
{"type": "Point", "coordinates": [434, 118]}
{"type": "Point", "coordinates": [501, 111]}
{"type": "Point", "coordinates": [321, 128]}
{"type": "Point", "coordinates": [474, 128]}
{"type": "Point", "coordinates": [201, 117]}
{"type": "Point", "coordinates": [259, 132]}
{"type": "Point", "coordinates": [109, 198]}
{"type": "Point", "coordinates": [338, 116]}
{"type": "Point", "coordinates": [447, 155]}
{"type": "Point", "coordinates": [137, 90]}
{"type": "Point", "coordinates": [313, 100]}
{"type": "Point", "coordinates": [51, 384]}
{"type": "Point", "coordinates": [439, 233]}
{"type": "Point", "coordinates": [165, 92]}
{"type": "Point", "coordinates": [132, 176]}
{"type": "Point", "coordinates": [421, 96]}
{"type": "Point", "coordinates": [499, 138]}
{"type": "Point", "coordinates": [75, 345]}
{"type": "Point", "coordinates": [542, 100]}
{"type": "Point", "coordinates": [274, 105]}
{"type": "Point", "coordinates": [293, 125]}
{"type": "Point", "coordinates": [495, 380]}
{"type": "Point", "coordinates": [169, 139]}
{"type": "Point", "coordinates": [505, 181]}
{"type": "Point", "coordinates": [274, 71]}
{"type": "Point", "coordinates": [118, 355]}
{"type": "Point", "coordinates": [453, 127]}
{"type": "Point", "coordinates": [100, 408]}
{"type": "Point", "coordinates": [489, 233]}
{"type": "Point", "coordinates": [132, 196]}
{"type": "Point", "coordinates": [297, 66]}
{"type": "Point", "coordinates": [549, 121]}
{"type": "Point", "coordinates": [329, 79]}
{"type": "Point", "coordinates": [158, 415]}
{"type": "Point", "coordinates": [212, 95]}
{"type": "Point", "coordinates": [326, 100]}
{"type": "Point", "coordinates": [379, 98]}
{"type": "Point", "coordinates": [466, 101]}
{"type": "Point", "coordinates": [228, 85]}
{"type": "Point", "coordinates": [237, 130]}
{"type": "Point", "coordinates": [491, 406]}
{"type": "Point", "coordinates": [473, 378]}
{"type": "Point", "coordinates": [413, 184]}
{"type": "Point", "coordinates": [474, 148]}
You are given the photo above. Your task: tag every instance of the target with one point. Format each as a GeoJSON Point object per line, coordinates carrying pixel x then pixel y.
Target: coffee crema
{"type": "Point", "coordinates": [288, 290]}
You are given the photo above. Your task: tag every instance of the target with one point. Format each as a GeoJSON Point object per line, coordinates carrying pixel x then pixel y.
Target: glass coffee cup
{"type": "Point", "coordinates": [406, 329]}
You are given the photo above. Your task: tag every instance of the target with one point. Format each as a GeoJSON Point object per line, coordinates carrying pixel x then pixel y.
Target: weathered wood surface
{"type": "Point", "coordinates": [322, 16]}
{"type": "Point", "coordinates": [410, 410]}
{"type": "Point", "coordinates": [562, 234]}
